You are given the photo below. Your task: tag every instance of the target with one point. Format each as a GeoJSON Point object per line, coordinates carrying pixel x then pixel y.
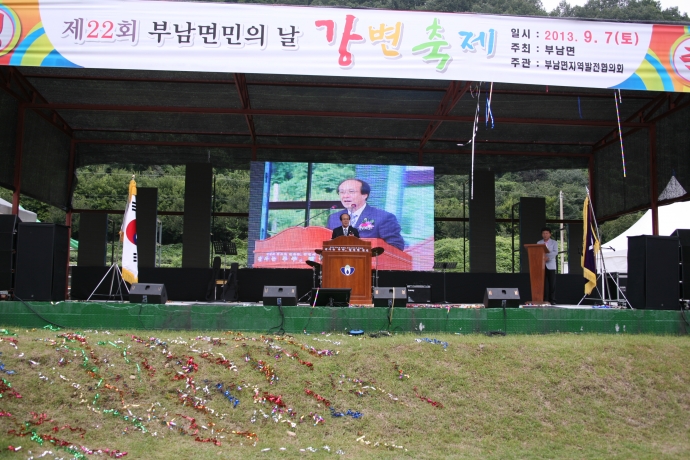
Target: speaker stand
{"type": "Point", "coordinates": [444, 266]}
{"type": "Point", "coordinates": [116, 274]}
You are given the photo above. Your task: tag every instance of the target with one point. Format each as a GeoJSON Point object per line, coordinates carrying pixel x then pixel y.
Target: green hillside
{"type": "Point", "coordinates": [228, 395]}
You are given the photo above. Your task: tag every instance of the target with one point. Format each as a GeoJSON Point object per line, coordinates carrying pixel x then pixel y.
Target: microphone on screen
{"type": "Point", "coordinates": [316, 215]}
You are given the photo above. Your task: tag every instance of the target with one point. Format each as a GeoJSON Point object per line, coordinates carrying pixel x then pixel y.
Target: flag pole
{"type": "Point", "coordinates": [600, 256]}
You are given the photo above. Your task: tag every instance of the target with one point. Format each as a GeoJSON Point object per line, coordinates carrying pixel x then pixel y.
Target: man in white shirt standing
{"type": "Point", "coordinates": [550, 263]}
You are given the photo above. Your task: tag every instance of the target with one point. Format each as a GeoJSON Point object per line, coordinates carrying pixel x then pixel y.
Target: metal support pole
{"type": "Point", "coordinates": [68, 216]}
{"type": "Point", "coordinates": [112, 242]}
{"type": "Point", "coordinates": [68, 223]}
{"type": "Point", "coordinates": [562, 227]}
{"type": "Point", "coordinates": [512, 239]}
{"type": "Point", "coordinates": [654, 192]}
{"type": "Point", "coordinates": [307, 210]}
{"type": "Point", "coordinates": [18, 159]}
{"type": "Point", "coordinates": [590, 170]}
{"type": "Point", "coordinates": [464, 230]}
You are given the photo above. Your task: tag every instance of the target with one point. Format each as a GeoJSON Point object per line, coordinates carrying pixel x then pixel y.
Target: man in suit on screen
{"type": "Point", "coordinates": [371, 222]}
{"type": "Point", "coordinates": [344, 229]}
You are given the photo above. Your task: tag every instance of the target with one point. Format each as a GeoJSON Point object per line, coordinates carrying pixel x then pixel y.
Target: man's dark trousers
{"type": "Point", "coordinates": [550, 286]}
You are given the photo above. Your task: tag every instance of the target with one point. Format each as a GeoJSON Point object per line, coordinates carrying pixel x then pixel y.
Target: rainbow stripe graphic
{"type": "Point", "coordinates": [657, 72]}
{"type": "Point", "coordinates": [37, 51]}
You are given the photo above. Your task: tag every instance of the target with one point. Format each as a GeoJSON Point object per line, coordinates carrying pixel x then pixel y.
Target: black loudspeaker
{"type": "Point", "coordinates": [42, 252]}
{"type": "Point", "coordinates": [653, 272]}
{"type": "Point", "coordinates": [148, 293]}
{"type": "Point", "coordinates": [683, 235]}
{"type": "Point", "coordinates": [280, 295]}
{"type": "Point", "coordinates": [495, 297]}
{"type": "Point", "coordinates": [93, 240]}
{"type": "Point", "coordinates": [8, 223]}
{"type": "Point", "coordinates": [390, 296]}
{"type": "Point", "coordinates": [230, 289]}
{"type": "Point", "coordinates": [684, 238]}
{"type": "Point", "coordinates": [8, 246]}
{"type": "Point", "coordinates": [418, 293]}
{"type": "Point", "coordinates": [196, 221]}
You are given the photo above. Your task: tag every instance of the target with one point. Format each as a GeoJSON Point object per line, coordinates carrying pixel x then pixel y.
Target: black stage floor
{"type": "Point", "coordinates": [190, 284]}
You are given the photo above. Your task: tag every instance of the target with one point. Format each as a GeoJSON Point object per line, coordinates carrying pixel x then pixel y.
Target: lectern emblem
{"type": "Point", "coordinates": [347, 270]}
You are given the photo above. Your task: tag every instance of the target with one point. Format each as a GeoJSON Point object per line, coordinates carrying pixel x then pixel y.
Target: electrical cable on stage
{"type": "Point", "coordinates": [38, 314]}
{"type": "Point", "coordinates": [281, 329]}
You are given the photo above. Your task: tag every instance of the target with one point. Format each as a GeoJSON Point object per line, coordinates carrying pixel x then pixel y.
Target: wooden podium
{"type": "Point", "coordinates": [292, 247]}
{"type": "Point", "coordinates": [537, 268]}
{"type": "Point", "coordinates": [347, 264]}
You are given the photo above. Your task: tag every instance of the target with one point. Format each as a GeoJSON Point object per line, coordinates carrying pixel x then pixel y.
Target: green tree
{"type": "Point", "coordinates": [611, 229]}
{"type": "Point", "coordinates": [621, 10]}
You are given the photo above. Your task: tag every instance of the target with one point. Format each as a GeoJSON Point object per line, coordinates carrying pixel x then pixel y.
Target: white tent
{"type": "Point", "coordinates": [671, 217]}
{"type": "Point", "coordinates": [24, 215]}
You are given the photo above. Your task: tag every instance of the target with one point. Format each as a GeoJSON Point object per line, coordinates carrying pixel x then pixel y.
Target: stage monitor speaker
{"type": "Point", "coordinates": [280, 295]}
{"type": "Point", "coordinates": [418, 293]}
{"type": "Point", "coordinates": [495, 297]}
{"type": "Point", "coordinates": [42, 252]}
{"type": "Point", "coordinates": [390, 296]}
{"type": "Point", "coordinates": [148, 293]}
{"type": "Point", "coordinates": [653, 272]}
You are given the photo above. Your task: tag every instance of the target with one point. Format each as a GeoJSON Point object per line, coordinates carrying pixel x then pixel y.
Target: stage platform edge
{"type": "Point", "coordinates": [267, 319]}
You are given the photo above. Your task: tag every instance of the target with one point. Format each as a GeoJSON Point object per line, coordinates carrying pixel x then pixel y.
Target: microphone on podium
{"type": "Point", "coordinates": [317, 215]}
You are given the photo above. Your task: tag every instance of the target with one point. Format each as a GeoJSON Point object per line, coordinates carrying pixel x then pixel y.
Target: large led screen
{"type": "Point", "coordinates": [294, 208]}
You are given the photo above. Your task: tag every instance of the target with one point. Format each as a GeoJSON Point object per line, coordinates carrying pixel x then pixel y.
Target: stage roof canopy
{"type": "Point", "coordinates": [56, 117]}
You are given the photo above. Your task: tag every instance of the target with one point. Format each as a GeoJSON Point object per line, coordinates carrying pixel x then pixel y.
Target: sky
{"type": "Point", "coordinates": [683, 5]}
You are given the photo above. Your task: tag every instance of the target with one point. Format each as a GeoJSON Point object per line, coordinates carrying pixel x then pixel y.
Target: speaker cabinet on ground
{"type": "Point", "coordinates": [42, 252]}
{"type": "Point", "coordinates": [653, 272]}
{"type": "Point", "coordinates": [8, 246]}
{"type": "Point", "coordinates": [280, 295]}
{"type": "Point", "coordinates": [390, 296]}
{"type": "Point", "coordinates": [494, 297]}
{"type": "Point", "coordinates": [148, 293]}
{"type": "Point", "coordinates": [418, 293]}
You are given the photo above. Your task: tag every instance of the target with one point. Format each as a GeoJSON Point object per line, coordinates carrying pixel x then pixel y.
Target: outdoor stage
{"type": "Point", "coordinates": [190, 284]}
{"type": "Point", "coordinates": [300, 319]}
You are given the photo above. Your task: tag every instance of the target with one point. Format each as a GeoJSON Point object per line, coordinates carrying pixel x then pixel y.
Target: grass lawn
{"type": "Point", "coordinates": [553, 396]}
